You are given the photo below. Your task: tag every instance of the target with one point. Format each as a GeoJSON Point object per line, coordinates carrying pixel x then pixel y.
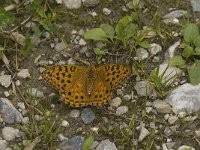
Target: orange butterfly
{"type": "Point", "coordinates": [80, 86]}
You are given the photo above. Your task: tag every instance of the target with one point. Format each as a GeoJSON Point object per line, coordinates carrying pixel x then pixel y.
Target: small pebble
{"type": "Point", "coordinates": [6, 93]}
{"type": "Point", "coordinates": [87, 115]}
{"type": "Point", "coordinates": [24, 73]}
{"type": "Point", "coordinates": [5, 80]}
{"type": "Point", "coordinates": [121, 110]}
{"type": "Point", "coordinates": [143, 133]}
{"type": "Point", "coordinates": [106, 11]}
{"type": "Point", "coordinates": [60, 47]}
{"type": "Point", "coordinates": [127, 97]}
{"type": "Point", "coordinates": [75, 113]}
{"type": "Point", "coordinates": [172, 119]}
{"type": "Point", "coordinates": [65, 123]}
{"type": "Point", "coordinates": [116, 102]}
{"type": "Point", "coordinates": [18, 83]}
{"type": "Point", "coordinates": [168, 131]}
{"type": "Point", "coordinates": [21, 105]}
{"type": "Point", "coordinates": [82, 42]}
{"type": "Point", "coordinates": [9, 133]}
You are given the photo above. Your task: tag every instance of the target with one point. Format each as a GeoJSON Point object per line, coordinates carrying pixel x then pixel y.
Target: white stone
{"type": "Point", "coordinates": [155, 48]}
{"type": "Point", "coordinates": [5, 80]}
{"type": "Point", "coordinates": [71, 61]}
{"type": "Point", "coordinates": [121, 110]}
{"type": "Point", "coordinates": [25, 120]}
{"type": "Point", "coordinates": [148, 109]}
{"type": "Point", "coordinates": [6, 93]}
{"type": "Point", "coordinates": [59, 1]}
{"type": "Point", "coordinates": [143, 133]}
{"type": "Point", "coordinates": [170, 73]}
{"type": "Point", "coordinates": [18, 83]}
{"type": "Point", "coordinates": [3, 144]}
{"type": "Point", "coordinates": [65, 123]}
{"type": "Point", "coordinates": [72, 4]}
{"type": "Point", "coordinates": [171, 51]}
{"type": "Point", "coordinates": [106, 11]}
{"type": "Point", "coordinates": [106, 145]}
{"type": "Point", "coordinates": [75, 113]}
{"type": "Point", "coordinates": [185, 98]}
{"type": "Point", "coordinates": [61, 137]}
{"type": "Point", "coordinates": [162, 106]}
{"type": "Point", "coordinates": [10, 133]}
{"type": "Point", "coordinates": [172, 119]}
{"type": "Point", "coordinates": [24, 73]}
{"type": "Point", "coordinates": [127, 97]}
{"type": "Point", "coordinates": [115, 102]}
{"type": "Point", "coordinates": [21, 105]}
{"type": "Point", "coordinates": [197, 133]}
{"type": "Point", "coordinates": [141, 54]}
{"type": "Point", "coordinates": [60, 47]}
{"type": "Point", "coordinates": [143, 88]}
{"type": "Point", "coordinates": [82, 42]}
{"type": "Point", "coordinates": [185, 147]}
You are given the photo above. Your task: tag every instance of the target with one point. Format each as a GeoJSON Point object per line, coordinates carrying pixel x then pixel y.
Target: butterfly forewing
{"type": "Point", "coordinates": [114, 74]}
{"type": "Point", "coordinates": [63, 76]}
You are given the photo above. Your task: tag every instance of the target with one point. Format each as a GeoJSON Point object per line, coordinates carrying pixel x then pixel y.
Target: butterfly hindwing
{"type": "Point", "coordinates": [113, 74]}
{"type": "Point", "coordinates": [102, 93]}
{"type": "Point", "coordinates": [75, 96]}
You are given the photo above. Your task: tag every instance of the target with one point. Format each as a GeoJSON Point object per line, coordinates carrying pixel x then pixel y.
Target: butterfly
{"type": "Point", "coordinates": [83, 86]}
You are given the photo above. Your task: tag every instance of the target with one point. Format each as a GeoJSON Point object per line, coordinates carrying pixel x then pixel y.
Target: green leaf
{"type": "Point", "coordinates": [96, 34]}
{"type": "Point", "coordinates": [197, 51]}
{"type": "Point", "coordinates": [187, 51]}
{"type": "Point", "coordinates": [197, 41]}
{"type": "Point", "coordinates": [6, 18]}
{"type": "Point", "coordinates": [120, 27]}
{"type": "Point", "coordinates": [130, 30]}
{"type": "Point", "coordinates": [88, 143]}
{"type": "Point", "coordinates": [99, 52]}
{"type": "Point", "coordinates": [109, 30]}
{"type": "Point", "coordinates": [191, 32]}
{"type": "Point", "coordinates": [177, 61]}
{"type": "Point", "coordinates": [194, 73]}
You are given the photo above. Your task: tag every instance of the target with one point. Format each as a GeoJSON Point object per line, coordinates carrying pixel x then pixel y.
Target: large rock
{"type": "Point", "coordinates": [185, 98]}
{"type": "Point", "coordinates": [9, 113]}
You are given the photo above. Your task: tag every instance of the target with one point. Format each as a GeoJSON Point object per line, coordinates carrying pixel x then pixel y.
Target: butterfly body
{"type": "Point", "coordinates": [82, 86]}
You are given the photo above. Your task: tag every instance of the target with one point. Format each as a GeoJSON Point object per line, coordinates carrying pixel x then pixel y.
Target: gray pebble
{"type": "Point", "coordinates": [106, 145]}
{"type": "Point", "coordinates": [74, 143]}
{"type": "Point", "coordinates": [87, 115]}
{"type": "Point", "coordinates": [9, 113]}
{"type": "Point", "coordinates": [121, 110]}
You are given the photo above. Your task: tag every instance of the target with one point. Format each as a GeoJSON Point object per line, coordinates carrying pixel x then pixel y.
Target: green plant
{"type": "Point", "coordinates": [88, 143]}
{"type": "Point", "coordinates": [6, 18]}
{"type": "Point", "coordinates": [44, 15]}
{"type": "Point", "coordinates": [125, 31]}
{"type": "Point", "coordinates": [47, 129]}
{"type": "Point", "coordinates": [160, 81]}
{"type": "Point", "coordinates": [190, 55]}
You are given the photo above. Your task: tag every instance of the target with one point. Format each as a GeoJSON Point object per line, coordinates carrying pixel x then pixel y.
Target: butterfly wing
{"type": "Point", "coordinates": [70, 80]}
{"type": "Point", "coordinates": [113, 74]}
{"type": "Point", "coordinates": [62, 76]}
{"type": "Point", "coordinates": [102, 93]}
